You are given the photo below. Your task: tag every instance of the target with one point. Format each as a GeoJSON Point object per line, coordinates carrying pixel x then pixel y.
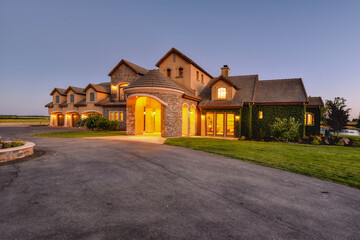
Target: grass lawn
{"type": "Point", "coordinates": [78, 134]}
{"type": "Point", "coordinates": [333, 163]}
{"type": "Point", "coordinates": [25, 120]}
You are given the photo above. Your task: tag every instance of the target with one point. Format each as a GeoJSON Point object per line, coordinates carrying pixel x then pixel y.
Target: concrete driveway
{"type": "Point", "coordinates": [110, 189]}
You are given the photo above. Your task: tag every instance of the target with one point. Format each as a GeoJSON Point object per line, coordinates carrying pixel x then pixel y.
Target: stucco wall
{"type": "Point", "coordinates": [230, 91]}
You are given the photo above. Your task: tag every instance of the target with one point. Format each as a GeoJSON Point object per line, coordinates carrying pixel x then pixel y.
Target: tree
{"type": "Point", "coordinates": [336, 115]}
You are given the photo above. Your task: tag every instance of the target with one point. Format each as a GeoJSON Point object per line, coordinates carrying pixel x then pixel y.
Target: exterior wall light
{"type": "Point", "coordinates": [144, 112]}
{"type": "Point", "coordinates": [202, 116]}
{"type": "Point", "coordinates": [154, 113]}
{"type": "Point", "coordinates": [191, 112]}
{"type": "Point", "coordinates": [237, 117]}
{"type": "Point", "coordinates": [113, 87]}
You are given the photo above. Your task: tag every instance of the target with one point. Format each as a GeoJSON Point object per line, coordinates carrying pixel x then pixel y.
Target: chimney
{"type": "Point", "coordinates": [225, 70]}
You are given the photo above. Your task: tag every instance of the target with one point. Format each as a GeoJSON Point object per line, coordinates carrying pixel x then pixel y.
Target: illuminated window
{"type": "Point", "coordinates": [111, 116]}
{"type": "Point", "coordinates": [309, 119]}
{"type": "Point", "coordinates": [209, 124]}
{"type": "Point", "coordinates": [219, 124]}
{"type": "Point", "coordinates": [121, 116]}
{"type": "Point", "coordinates": [121, 94]}
{"type": "Point", "coordinates": [92, 97]}
{"type": "Point", "coordinates": [116, 116]}
{"type": "Point", "coordinates": [222, 93]}
{"type": "Point", "coordinates": [260, 114]}
{"type": "Point", "coordinates": [57, 99]}
{"type": "Point", "coordinates": [168, 72]}
{"type": "Point", "coordinates": [230, 124]}
{"type": "Point", "coordinates": [72, 98]}
{"type": "Point", "coordinates": [181, 72]}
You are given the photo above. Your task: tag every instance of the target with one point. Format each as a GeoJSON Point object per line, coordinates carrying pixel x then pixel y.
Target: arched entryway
{"type": "Point", "coordinates": [185, 120]}
{"type": "Point", "coordinates": [147, 116]}
{"type": "Point", "coordinates": [71, 118]}
{"type": "Point", "coordinates": [57, 119]}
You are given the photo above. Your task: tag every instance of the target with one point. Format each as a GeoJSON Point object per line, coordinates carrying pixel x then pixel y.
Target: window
{"type": "Point", "coordinates": [230, 124]}
{"type": "Point", "coordinates": [309, 119]}
{"type": "Point", "coordinates": [261, 114]}
{"type": "Point", "coordinates": [197, 75]}
{"type": "Point", "coordinates": [219, 124]}
{"type": "Point", "coordinates": [221, 93]}
{"type": "Point", "coordinates": [168, 72]}
{"type": "Point", "coordinates": [116, 116]}
{"type": "Point", "coordinates": [92, 97]}
{"type": "Point", "coordinates": [57, 99]}
{"type": "Point", "coordinates": [121, 94]}
{"type": "Point", "coordinates": [181, 72]}
{"type": "Point", "coordinates": [72, 98]}
{"type": "Point", "coordinates": [209, 124]}
{"type": "Point", "coordinates": [202, 78]}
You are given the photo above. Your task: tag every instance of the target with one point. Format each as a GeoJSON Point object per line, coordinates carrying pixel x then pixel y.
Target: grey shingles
{"type": "Point", "coordinates": [133, 66]}
{"type": "Point", "coordinates": [315, 101]}
{"type": "Point", "coordinates": [59, 90]}
{"type": "Point", "coordinates": [77, 90]}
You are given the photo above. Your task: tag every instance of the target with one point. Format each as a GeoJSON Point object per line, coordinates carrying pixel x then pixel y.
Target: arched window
{"type": "Point", "coordinates": [181, 72]}
{"type": "Point", "coordinates": [92, 97]}
{"type": "Point", "coordinates": [221, 93]}
{"type": "Point", "coordinates": [72, 98]}
{"type": "Point", "coordinates": [309, 119]}
{"type": "Point", "coordinates": [168, 72]}
{"type": "Point", "coordinates": [202, 78]}
{"type": "Point", "coordinates": [197, 75]}
{"type": "Point", "coordinates": [121, 94]}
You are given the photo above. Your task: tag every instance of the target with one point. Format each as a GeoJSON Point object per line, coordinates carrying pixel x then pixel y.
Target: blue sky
{"type": "Point", "coordinates": [47, 44]}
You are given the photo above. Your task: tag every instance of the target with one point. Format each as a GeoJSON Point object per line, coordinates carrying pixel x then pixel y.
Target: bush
{"type": "Point", "coordinates": [285, 129]}
{"type": "Point", "coordinates": [356, 144]}
{"type": "Point", "coordinates": [242, 138]}
{"type": "Point", "coordinates": [98, 122]}
{"type": "Point", "coordinates": [315, 142]}
{"type": "Point", "coordinates": [339, 143]}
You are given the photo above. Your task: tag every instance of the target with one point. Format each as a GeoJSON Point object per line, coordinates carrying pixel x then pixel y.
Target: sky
{"type": "Point", "coordinates": [47, 44]}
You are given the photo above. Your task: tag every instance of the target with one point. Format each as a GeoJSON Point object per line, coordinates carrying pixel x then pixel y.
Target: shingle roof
{"type": "Point", "coordinates": [59, 90]}
{"type": "Point", "coordinates": [183, 56]}
{"type": "Point", "coordinates": [315, 101]}
{"type": "Point", "coordinates": [280, 91]}
{"type": "Point", "coordinates": [155, 79]}
{"type": "Point", "coordinates": [64, 104]}
{"type": "Point", "coordinates": [245, 85]}
{"type": "Point", "coordinates": [101, 87]}
{"type": "Point", "coordinates": [106, 102]}
{"type": "Point", "coordinates": [81, 103]}
{"type": "Point", "coordinates": [49, 105]}
{"type": "Point", "coordinates": [77, 90]}
{"type": "Point", "coordinates": [133, 66]}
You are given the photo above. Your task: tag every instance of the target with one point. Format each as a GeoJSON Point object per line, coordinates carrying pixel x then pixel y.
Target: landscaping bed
{"type": "Point", "coordinates": [11, 150]}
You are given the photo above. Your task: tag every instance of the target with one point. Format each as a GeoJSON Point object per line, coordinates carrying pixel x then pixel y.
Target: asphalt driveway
{"type": "Point", "coordinates": [110, 189]}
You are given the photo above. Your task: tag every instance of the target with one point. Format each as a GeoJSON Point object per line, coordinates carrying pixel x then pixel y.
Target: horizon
{"type": "Point", "coordinates": [60, 44]}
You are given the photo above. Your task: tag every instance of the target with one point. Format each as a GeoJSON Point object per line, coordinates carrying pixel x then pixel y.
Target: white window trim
{"type": "Point", "coordinates": [119, 112]}
{"type": "Point", "coordinates": [217, 93]}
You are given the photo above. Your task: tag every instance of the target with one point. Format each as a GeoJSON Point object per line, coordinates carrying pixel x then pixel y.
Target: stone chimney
{"type": "Point", "coordinates": [225, 71]}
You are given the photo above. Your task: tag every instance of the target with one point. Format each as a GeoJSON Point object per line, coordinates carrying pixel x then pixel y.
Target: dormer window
{"type": "Point", "coordinates": [57, 99]}
{"type": "Point", "coordinates": [168, 72]}
{"type": "Point", "coordinates": [72, 98]}
{"type": "Point", "coordinates": [221, 93]}
{"type": "Point", "coordinates": [92, 97]}
{"type": "Point", "coordinates": [181, 72]}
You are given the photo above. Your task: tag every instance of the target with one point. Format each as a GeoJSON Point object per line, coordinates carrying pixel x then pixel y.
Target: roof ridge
{"type": "Point", "coordinates": [279, 79]}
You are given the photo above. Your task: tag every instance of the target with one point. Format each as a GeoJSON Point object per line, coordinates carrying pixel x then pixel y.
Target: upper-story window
{"type": "Point", "coordinates": [168, 72]}
{"type": "Point", "coordinates": [309, 119]}
{"type": "Point", "coordinates": [181, 72]}
{"type": "Point", "coordinates": [202, 78]}
{"type": "Point", "coordinates": [57, 99]}
{"type": "Point", "coordinates": [197, 75]}
{"type": "Point", "coordinates": [121, 94]}
{"type": "Point", "coordinates": [92, 97]}
{"type": "Point", "coordinates": [221, 93]}
{"type": "Point", "coordinates": [72, 98]}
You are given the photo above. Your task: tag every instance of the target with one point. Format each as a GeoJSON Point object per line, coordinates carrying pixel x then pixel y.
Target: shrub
{"type": "Point", "coordinates": [315, 142]}
{"type": "Point", "coordinates": [97, 122]}
{"type": "Point", "coordinates": [242, 138]}
{"type": "Point", "coordinates": [285, 129]}
{"type": "Point", "coordinates": [356, 144]}
{"type": "Point", "coordinates": [339, 143]}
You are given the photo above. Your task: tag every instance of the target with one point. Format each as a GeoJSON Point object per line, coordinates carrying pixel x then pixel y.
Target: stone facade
{"type": "Point", "coordinates": [123, 74]}
{"type": "Point", "coordinates": [9, 154]}
{"type": "Point", "coordinates": [107, 110]}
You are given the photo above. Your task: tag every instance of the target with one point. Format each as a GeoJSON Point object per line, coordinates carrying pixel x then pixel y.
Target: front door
{"type": "Point", "coordinates": [219, 124]}
{"type": "Point", "coordinates": [74, 119]}
{"type": "Point", "coordinates": [60, 120]}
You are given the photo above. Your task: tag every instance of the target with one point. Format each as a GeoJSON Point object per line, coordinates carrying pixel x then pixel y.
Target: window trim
{"type": "Point", "coordinates": [218, 95]}
{"type": "Point", "coordinates": [120, 115]}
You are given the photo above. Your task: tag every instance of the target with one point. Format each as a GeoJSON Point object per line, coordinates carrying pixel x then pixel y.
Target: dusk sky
{"type": "Point", "coordinates": [47, 44]}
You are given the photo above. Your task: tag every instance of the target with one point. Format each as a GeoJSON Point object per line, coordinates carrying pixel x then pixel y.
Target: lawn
{"type": "Point", "coordinates": [78, 134]}
{"type": "Point", "coordinates": [333, 163]}
{"type": "Point", "coordinates": [25, 120]}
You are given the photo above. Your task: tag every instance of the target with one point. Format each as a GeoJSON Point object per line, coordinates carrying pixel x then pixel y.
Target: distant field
{"type": "Point", "coordinates": [24, 120]}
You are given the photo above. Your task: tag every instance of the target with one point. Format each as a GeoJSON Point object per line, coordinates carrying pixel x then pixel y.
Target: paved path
{"type": "Point", "coordinates": [106, 189]}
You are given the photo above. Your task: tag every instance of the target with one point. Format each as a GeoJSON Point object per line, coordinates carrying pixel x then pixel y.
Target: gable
{"type": "Point", "coordinates": [135, 68]}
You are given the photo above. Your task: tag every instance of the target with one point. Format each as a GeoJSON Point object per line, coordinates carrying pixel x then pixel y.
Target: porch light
{"type": "Point", "coordinates": [202, 116]}
{"type": "Point", "coordinates": [113, 87]}
{"type": "Point", "coordinates": [191, 112]}
{"type": "Point", "coordinates": [144, 112]}
{"type": "Point", "coordinates": [237, 117]}
{"type": "Point", "coordinates": [154, 113]}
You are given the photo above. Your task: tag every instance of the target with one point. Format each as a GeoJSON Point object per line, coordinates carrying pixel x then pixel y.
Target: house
{"type": "Point", "coordinates": [180, 98]}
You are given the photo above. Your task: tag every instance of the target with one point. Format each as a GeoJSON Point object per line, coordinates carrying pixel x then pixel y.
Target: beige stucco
{"type": "Point", "coordinates": [230, 90]}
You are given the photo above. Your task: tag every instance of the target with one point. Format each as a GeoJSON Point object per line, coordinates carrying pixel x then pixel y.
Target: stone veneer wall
{"type": "Point", "coordinates": [171, 115]}
{"type": "Point", "coordinates": [123, 74]}
{"type": "Point", "coordinates": [122, 126]}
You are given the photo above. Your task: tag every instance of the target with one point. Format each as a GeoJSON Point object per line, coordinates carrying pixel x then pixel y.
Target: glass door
{"type": "Point", "coordinates": [219, 124]}
{"type": "Point", "coordinates": [230, 124]}
{"type": "Point", "coordinates": [209, 123]}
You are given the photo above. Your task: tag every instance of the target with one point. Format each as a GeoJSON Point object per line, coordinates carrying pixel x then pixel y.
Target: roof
{"type": "Point", "coordinates": [77, 90]}
{"type": "Point", "coordinates": [49, 105]}
{"type": "Point", "coordinates": [106, 102]}
{"type": "Point", "coordinates": [315, 101]}
{"type": "Point", "coordinates": [64, 104]}
{"type": "Point", "coordinates": [245, 85]}
{"type": "Point", "coordinates": [61, 91]}
{"type": "Point", "coordinates": [280, 91]}
{"type": "Point", "coordinates": [136, 68]}
{"type": "Point", "coordinates": [81, 103]}
{"type": "Point", "coordinates": [228, 80]}
{"type": "Point", "coordinates": [183, 56]}
{"type": "Point", "coordinates": [101, 87]}
{"type": "Point", "coordinates": [155, 79]}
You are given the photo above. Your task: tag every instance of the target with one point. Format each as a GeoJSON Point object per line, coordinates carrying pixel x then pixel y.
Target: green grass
{"type": "Point", "coordinates": [25, 120]}
{"type": "Point", "coordinates": [332, 163]}
{"type": "Point", "coordinates": [78, 134]}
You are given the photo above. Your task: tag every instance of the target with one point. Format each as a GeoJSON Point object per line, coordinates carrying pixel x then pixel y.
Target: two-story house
{"type": "Point", "coordinates": [180, 98]}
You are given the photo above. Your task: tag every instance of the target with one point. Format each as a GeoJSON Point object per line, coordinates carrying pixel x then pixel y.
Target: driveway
{"type": "Point", "coordinates": [111, 189]}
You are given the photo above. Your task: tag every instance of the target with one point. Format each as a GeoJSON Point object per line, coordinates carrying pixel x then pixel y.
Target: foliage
{"type": "Point", "coordinates": [285, 129]}
{"type": "Point", "coordinates": [315, 142]}
{"type": "Point", "coordinates": [339, 143]}
{"type": "Point", "coordinates": [242, 138]}
{"type": "Point", "coordinates": [315, 129]}
{"type": "Point", "coordinates": [98, 122]}
{"type": "Point", "coordinates": [79, 134]}
{"type": "Point", "coordinates": [336, 115]}
{"type": "Point", "coordinates": [11, 143]}
{"type": "Point", "coordinates": [356, 144]}
{"type": "Point", "coordinates": [337, 164]}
